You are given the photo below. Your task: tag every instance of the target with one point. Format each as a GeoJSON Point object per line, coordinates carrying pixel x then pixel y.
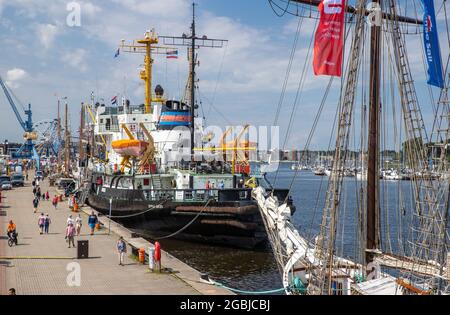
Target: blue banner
{"type": "Point", "coordinates": [432, 49]}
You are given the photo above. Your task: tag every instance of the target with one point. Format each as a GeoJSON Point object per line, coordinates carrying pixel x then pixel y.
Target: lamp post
{"type": "Point", "coordinates": [6, 147]}
{"type": "Point", "coordinates": [109, 221]}
{"type": "Point", "coordinates": [6, 154]}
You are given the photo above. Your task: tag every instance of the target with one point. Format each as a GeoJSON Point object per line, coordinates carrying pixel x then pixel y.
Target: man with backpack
{"type": "Point", "coordinates": [92, 221]}
{"type": "Point", "coordinates": [35, 204]}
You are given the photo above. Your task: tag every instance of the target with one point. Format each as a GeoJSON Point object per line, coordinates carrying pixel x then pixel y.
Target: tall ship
{"type": "Point", "coordinates": [372, 247]}
{"type": "Point", "coordinates": [157, 171]}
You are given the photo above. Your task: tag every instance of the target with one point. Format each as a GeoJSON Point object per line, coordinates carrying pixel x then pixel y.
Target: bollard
{"type": "Point", "coordinates": [151, 258]}
{"type": "Point", "coordinates": [142, 255]}
{"type": "Point", "coordinates": [157, 257]}
{"type": "Point", "coordinates": [98, 226]}
{"type": "Point", "coordinates": [75, 207]}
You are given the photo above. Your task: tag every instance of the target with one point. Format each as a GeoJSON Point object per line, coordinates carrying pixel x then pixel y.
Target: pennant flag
{"type": "Point", "coordinates": [117, 53]}
{"type": "Point", "coordinates": [431, 42]}
{"type": "Point", "coordinates": [172, 54]}
{"type": "Point", "coordinates": [328, 41]}
{"type": "Point", "coordinates": [114, 100]}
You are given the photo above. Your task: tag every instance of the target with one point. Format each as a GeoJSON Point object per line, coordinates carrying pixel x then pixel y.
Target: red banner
{"type": "Point", "coordinates": [328, 44]}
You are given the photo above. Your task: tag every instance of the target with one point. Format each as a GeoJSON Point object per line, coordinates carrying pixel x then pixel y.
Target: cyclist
{"type": "Point", "coordinates": [11, 230]}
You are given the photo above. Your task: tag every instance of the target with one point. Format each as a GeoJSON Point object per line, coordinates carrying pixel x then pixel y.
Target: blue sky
{"type": "Point", "coordinates": [41, 56]}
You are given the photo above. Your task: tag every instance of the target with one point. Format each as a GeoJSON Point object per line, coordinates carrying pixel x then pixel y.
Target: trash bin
{"type": "Point", "coordinates": [83, 250]}
{"type": "Point", "coordinates": [141, 255]}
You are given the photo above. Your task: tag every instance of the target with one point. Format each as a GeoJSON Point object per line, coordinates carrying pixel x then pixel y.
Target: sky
{"type": "Point", "coordinates": [43, 59]}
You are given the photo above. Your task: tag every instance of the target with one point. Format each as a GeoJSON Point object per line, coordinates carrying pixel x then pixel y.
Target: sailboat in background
{"type": "Point", "coordinates": [317, 265]}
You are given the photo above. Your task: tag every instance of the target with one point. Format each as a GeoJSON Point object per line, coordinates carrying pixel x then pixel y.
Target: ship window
{"type": "Point", "coordinates": [101, 121]}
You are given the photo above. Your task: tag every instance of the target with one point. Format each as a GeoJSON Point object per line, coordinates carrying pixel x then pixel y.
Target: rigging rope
{"type": "Point", "coordinates": [288, 71]}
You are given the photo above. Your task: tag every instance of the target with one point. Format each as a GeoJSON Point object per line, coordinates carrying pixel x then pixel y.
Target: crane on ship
{"type": "Point", "coordinates": [28, 150]}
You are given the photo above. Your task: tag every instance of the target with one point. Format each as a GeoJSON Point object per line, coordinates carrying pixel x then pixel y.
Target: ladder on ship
{"type": "Point", "coordinates": [320, 281]}
{"type": "Point", "coordinates": [430, 201]}
{"type": "Point", "coordinates": [156, 182]}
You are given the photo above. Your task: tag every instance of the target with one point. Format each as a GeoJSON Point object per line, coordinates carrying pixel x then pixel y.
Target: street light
{"type": "Point", "coordinates": [6, 147]}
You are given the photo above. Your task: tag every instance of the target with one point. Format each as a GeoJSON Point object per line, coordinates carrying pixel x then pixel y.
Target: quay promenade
{"type": "Point", "coordinates": [44, 265]}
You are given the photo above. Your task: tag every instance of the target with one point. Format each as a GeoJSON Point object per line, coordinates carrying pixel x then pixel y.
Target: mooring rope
{"type": "Point", "coordinates": [187, 225]}
{"type": "Point", "coordinates": [136, 214]}
{"type": "Point", "coordinates": [249, 292]}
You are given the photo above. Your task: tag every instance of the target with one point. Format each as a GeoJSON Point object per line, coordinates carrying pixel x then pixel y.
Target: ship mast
{"type": "Point", "coordinates": [81, 146]}
{"type": "Point", "coordinates": [146, 46]}
{"type": "Point", "coordinates": [372, 241]}
{"type": "Point", "coordinates": [66, 142]}
{"type": "Point", "coordinates": [192, 42]}
{"type": "Point", "coordinates": [192, 80]}
{"type": "Point", "coordinates": [59, 138]}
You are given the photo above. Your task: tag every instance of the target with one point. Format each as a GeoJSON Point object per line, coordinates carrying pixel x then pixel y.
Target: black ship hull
{"type": "Point", "coordinates": [235, 223]}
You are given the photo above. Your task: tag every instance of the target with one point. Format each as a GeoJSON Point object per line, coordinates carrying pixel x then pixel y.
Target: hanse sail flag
{"type": "Point", "coordinates": [328, 42]}
{"type": "Point", "coordinates": [431, 42]}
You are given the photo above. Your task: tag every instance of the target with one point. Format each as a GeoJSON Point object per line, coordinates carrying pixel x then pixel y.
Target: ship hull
{"type": "Point", "coordinates": [231, 223]}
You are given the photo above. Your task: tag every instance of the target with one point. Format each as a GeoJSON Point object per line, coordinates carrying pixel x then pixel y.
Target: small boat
{"type": "Point", "coordinates": [133, 148]}
{"type": "Point", "coordinates": [319, 171]}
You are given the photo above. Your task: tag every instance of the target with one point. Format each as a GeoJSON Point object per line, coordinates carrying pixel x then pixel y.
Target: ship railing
{"type": "Point", "coordinates": [198, 195]}
{"type": "Point", "coordinates": [132, 109]}
{"type": "Point", "coordinates": [109, 128]}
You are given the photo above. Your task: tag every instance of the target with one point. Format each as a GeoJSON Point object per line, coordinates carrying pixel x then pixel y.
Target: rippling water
{"type": "Point", "coordinates": [255, 271]}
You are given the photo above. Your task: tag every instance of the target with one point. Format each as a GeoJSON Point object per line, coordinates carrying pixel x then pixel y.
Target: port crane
{"type": "Point", "coordinates": [28, 150]}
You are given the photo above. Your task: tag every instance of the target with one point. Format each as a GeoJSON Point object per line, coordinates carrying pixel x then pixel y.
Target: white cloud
{"type": "Point", "coordinates": [163, 9]}
{"type": "Point", "coordinates": [90, 9]}
{"type": "Point", "coordinates": [47, 34]}
{"type": "Point", "coordinates": [76, 59]}
{"type": "Point", "coordinates": [14, 76]}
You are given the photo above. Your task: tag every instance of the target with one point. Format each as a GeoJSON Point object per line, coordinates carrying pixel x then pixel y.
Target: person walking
{"type": "Point", "coordinates": [35, 204]}
{"type": "Point", "coordinates": [47, 223]}
{"type": "Point", "coordinates": [55, 202]}
{"type": "Point", "coordinates": [41, 223]}
{"type": "Point", "coordinates": [70, 234]}
{"type": "Point", "coordinates": [92, 221]}
{"type": "Point", "coordinates": [47, 196]}
{"type": "Point", "coordinates": [121, 249]}
{"type": "Point", "coordinates": [34, 191]}
{"type": "Point", "coordinates": [38, 193]}
{"type": "Point", "coordinates": [78, 224]}
{"type": "Point", "coordinates": [70, 220]}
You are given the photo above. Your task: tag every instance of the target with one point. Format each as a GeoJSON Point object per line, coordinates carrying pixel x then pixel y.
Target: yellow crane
{"type": "Point", "coordinates": [149, 154]}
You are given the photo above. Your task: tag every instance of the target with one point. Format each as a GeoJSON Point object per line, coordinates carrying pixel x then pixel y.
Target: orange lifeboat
{"type": "Point", "coordinates": [133, 148]}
